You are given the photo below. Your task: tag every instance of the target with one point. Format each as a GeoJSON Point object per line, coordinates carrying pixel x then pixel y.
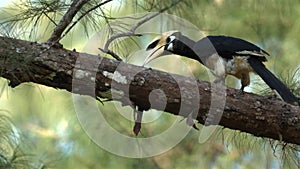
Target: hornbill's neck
{"type": "Point", "coordinates": [172, 42]}
{"type": "Point", "coordinates": [183, 46]}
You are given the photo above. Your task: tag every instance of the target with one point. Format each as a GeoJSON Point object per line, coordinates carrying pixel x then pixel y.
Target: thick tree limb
{"type": "Point", "coordinates": [23, 61]}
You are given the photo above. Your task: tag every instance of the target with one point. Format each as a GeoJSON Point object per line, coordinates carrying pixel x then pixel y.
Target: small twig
{"type": "Point", "coordinates": [83, 15]}
{"type": "Point", "coordinates": [49, 18]}
{"type": "Point", "coordinates": [56, 39]}
{"type": "Point", "coordinates": [114, 55]}
{"type": "Point", "coordinates": [105, 17]}
{"type": "Point", "coordinates": [131, 32]}
{"type": "Point", "coordinates": [34, 25]}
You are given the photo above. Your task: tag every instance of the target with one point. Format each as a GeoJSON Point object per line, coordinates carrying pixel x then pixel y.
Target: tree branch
{"type": "Point", "coordinates": [66, 20]}
{"type": "Point", "coordinates": [258, 115]}
{"type": "Point", "coordinates": [74, 23]}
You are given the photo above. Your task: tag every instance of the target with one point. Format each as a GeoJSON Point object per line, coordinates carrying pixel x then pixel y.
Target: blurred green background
{"type": "Point", "coordinates": [49, 134]}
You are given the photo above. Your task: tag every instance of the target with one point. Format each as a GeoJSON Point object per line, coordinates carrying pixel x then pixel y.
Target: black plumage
{"type": "Point", "coordinates": [223, 55]}
{"type": "Point", "coordinates": [272, 81]}
{"type": "Point", "coordinates": [227, 47]}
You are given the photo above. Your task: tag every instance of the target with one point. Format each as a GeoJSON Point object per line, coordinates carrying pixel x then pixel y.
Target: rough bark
{"type": "Point", "coordinates": [80, 73]}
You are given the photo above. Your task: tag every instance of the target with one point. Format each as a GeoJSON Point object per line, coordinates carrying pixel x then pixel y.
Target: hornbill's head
{"type": "Point", "coordinates": [170, 42]}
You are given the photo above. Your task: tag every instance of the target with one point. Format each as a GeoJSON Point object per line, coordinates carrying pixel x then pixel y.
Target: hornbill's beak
{"type": "Point", "coordinates": [156, 53]}
{"type": "Point", "coordinates": [159, 46]}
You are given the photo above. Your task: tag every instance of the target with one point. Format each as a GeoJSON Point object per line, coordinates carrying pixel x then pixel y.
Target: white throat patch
{"type": "Point", "coordinates": [170, 45]}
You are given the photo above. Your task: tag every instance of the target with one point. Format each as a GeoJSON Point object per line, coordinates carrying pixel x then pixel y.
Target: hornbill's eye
{"type": "Point", "coordinates": [168, 40]}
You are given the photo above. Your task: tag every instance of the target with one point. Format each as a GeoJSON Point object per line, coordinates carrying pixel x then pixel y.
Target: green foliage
{"type": "Point", "coordinates": [47, 119]}
{"type": "Point", "coordinates": [12, 154]}
{"type": "Point", "coordinates": [31, 19]}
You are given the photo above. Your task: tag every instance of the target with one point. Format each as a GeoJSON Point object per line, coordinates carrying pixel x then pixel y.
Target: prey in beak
{"type": "Point", "coordinates": [160, 46]}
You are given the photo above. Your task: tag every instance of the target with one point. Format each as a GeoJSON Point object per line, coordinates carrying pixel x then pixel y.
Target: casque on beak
{"type": "Point", "coordinates": [159, 46]}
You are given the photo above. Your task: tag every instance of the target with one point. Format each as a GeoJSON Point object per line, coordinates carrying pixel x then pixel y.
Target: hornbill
{"type": "Point", "coordinates": [223, 55]}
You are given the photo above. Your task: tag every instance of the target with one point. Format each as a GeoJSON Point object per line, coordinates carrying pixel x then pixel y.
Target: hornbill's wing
{"type": "Point", "coordinates": [230, 47]}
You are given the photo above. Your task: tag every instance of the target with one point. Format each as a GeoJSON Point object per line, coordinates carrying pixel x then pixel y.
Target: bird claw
{"type": "Point", "coordinates": [138, 123]}
{"type": "Point", "coordinates": [241, 93]}
{"type": "Point", "coordinates": [137, 127]}
{"type": "Point", "coordinates": [138, 118]}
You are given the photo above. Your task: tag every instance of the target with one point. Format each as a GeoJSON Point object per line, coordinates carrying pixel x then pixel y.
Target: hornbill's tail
{"type": "Point", "coordinates": [272, 81]}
